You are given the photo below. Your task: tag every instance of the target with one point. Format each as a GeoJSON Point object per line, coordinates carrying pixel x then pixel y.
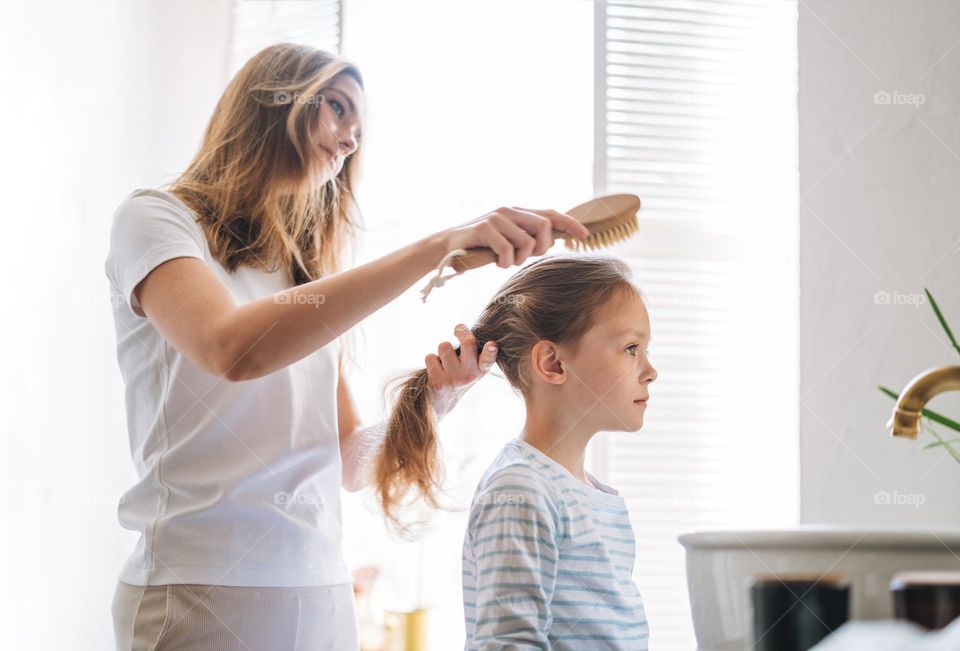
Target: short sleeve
{"type": "Point", "coordinates": [514, 531]}
{"type": "Point", "coordinates": [148, 230]}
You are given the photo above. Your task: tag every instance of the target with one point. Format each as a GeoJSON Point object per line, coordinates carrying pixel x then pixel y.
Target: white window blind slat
{"type": "Point", "coordinates": [696, 113]}
{"type": "Point", "coordinates": [257, 24]}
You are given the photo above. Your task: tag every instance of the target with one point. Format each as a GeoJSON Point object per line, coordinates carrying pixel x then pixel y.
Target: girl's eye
{"type": "Point", "coordinates": [338, 107]}
{"type": "Point", "coordinates": [632, 346]}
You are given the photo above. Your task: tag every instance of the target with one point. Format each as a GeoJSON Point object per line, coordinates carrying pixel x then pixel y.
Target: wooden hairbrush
{"type": "Point", "coordinates": [610, 219]}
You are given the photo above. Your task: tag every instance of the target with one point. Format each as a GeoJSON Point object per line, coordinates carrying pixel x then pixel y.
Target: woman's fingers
{"type": "Point", "coordinates": [452, 371]}
{"type": "Point", "coordinates": [511, 226]}
{"type": "Point", "coordinates": [531, 230]}
{"type": "Point", "coordinates": [513, 234]}
{"type": "Point", "coordinates": [538, 226]}
{"type": "Point", "coordinates": [501, 245]}
{"type": "Point", "coordinates": [448, 357]}
{"type": "Point", "coordinates": [488, 357]}
{"type": "Point", "coordinates": [521, 243]}
{"type": "Point", "coordinates": [434, 368]}
{"type": "Point", "coordinates": [468, 351]}
{"type": "Point", "coordinates": [473, 364]}
{"type": "Point", "coordinates": [468, 344]}
{"type": "Point", "coordinates": [562, 222]}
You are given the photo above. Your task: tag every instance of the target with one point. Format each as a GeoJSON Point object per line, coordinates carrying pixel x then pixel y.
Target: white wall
{"type": "Point", "coordinates": [102, 97]}
{"type": "Point", "coordinates": [878, 213]}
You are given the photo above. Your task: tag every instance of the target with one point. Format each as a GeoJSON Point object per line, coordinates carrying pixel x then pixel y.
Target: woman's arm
{"type": "Point", "coordinates": [358, 444]}
{"type": "Point", "coordinates": [195, 312]}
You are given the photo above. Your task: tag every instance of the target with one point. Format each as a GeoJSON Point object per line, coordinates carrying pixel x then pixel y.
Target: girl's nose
{"type": "Point", "coordinates": [651, 375]}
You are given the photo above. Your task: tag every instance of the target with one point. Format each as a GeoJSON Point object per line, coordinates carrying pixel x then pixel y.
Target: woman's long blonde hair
{"type": "Point", "coordinates": [256, 183]}
{"type": "Point", "coordinates": [554, 298]}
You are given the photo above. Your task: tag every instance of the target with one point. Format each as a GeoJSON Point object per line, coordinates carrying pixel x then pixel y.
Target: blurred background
{"type": "Point", "coordinates": [798, 194]}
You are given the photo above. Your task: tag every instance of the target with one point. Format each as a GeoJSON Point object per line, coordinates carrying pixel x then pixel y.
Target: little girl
{"type": "Point", "coordinates": [549, 550]}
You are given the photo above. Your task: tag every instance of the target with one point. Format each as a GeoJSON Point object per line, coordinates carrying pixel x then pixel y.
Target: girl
{"type": "Point", "coordinates": [548, 552]}
{"type": "Point", "coordinates": [229, 297]}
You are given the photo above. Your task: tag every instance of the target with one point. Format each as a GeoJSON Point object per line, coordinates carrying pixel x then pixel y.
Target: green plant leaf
{"type": "Point", "coordinates": [946, 444]}
{"type": "Point", "coordinates": [943, 321]}
{"type": "Point", "coordinates": [933, 445]}
{"type": "Point", "coordinates": [932, 415]}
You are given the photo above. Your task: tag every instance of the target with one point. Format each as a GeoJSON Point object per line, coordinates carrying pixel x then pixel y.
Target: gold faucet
{"type": "Point", "coordinates": [905, 420]}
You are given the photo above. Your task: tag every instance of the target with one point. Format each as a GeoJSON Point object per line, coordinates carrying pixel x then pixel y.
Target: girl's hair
{"type": "Point", "coordinates": [555, 298]}
{"type": "Point", "coordinates": [256, 180]}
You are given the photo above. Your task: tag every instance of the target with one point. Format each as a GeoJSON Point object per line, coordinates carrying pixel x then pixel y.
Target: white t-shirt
{"type": "Point", "coordinates": [239, 481]}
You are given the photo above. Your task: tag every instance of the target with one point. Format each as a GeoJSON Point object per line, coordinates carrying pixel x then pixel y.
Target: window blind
{"type": "Point", "coordinates": [257, 24]}
{"type": "Point", "coordinates": [696, 112]}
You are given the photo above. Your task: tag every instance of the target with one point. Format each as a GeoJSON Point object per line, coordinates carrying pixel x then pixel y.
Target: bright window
{"type": "Point", "coordinates": [691, 105]}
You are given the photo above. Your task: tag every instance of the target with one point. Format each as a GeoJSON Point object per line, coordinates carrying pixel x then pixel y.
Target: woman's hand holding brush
{"type": "Point", "coordinates": [509, 235]}
{"type": "Point", "coordinates": [514, 234]}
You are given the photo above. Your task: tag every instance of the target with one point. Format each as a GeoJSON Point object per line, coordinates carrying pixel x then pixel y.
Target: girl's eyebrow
{"type": "Point", "coordinates": [638, 333]}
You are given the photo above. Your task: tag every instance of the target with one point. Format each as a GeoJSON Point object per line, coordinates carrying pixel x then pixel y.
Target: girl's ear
{"type": "Point", "coordinates": [545, 359]}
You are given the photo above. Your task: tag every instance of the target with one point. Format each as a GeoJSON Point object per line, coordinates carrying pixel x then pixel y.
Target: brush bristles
{"type": "Point", "coordinates": [605, 233]}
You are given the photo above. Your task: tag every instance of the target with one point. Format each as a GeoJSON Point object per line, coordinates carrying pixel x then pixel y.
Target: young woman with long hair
{"type": "Point", "coordinates": [230, 297]}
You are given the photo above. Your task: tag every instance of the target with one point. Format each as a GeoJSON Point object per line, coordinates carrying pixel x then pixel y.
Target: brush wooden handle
{"type": "Point", "coordinates": [479, 256]}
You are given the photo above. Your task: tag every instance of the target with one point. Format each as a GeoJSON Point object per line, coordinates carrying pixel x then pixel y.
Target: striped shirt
{"type": "Point", "coordinates": [547, 561]}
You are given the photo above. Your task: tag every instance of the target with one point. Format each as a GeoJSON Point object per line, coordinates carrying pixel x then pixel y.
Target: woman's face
{"type": "Point", "coordinates": [341, 114]}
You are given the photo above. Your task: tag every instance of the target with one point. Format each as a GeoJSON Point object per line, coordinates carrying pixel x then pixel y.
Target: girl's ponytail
{"type": "Point", "coordinates": [409, 458]}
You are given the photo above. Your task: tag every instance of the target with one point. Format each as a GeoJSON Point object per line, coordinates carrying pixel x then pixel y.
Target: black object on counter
{"type": "Point", "coordinates": [793, 613]}
{"type": "Point", "coordinates": [930, 599]}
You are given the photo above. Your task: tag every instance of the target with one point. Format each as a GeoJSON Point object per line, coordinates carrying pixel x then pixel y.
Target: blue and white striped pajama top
{"type": "Point", "coordinates": [548, 561]}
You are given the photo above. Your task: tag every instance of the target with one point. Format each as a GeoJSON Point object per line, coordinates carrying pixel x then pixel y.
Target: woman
{"type": "Point", "coordinates": [229, 302]}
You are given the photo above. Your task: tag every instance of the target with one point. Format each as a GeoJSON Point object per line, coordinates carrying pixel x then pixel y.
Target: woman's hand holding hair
{"type": "Point", "coordinates": [514, 234]}
{"type": "Point", "coordinates": [450, 375]}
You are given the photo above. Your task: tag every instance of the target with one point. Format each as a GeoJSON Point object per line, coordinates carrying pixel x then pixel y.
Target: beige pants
{"type": "Point", "coordinates": [186, 617]}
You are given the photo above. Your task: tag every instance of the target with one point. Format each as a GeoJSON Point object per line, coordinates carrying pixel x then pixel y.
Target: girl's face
{"type": "Point", "coordinates": [341, 113]}
{"type": "Point", "coordinates": [610, 374]}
